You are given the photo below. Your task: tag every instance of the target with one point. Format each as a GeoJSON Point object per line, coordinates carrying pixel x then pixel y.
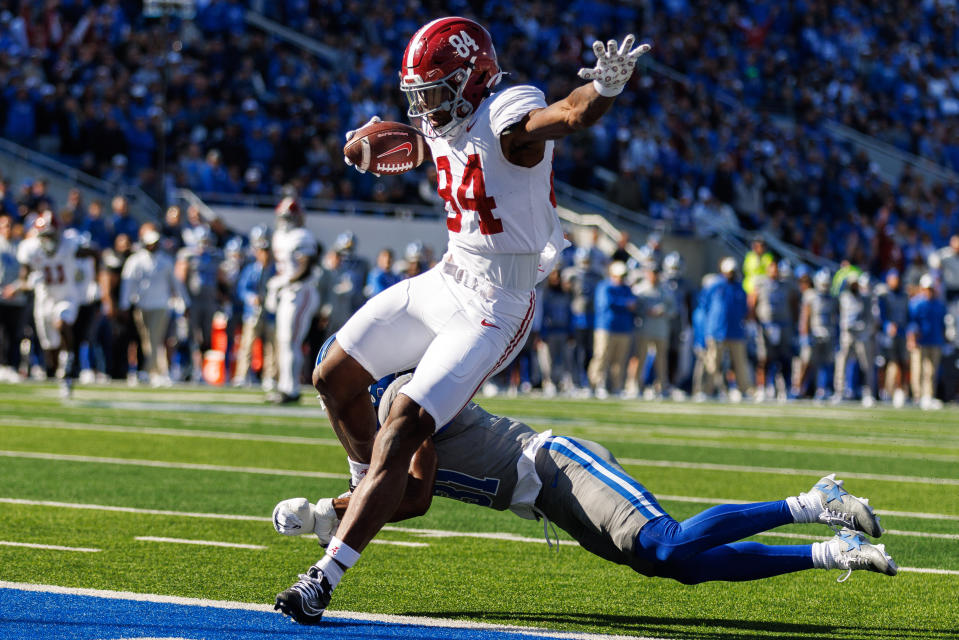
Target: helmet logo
{"type": "Point", "coordinates": [463, 43]}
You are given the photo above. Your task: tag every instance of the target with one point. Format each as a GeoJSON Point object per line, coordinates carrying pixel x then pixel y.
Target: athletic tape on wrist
{"type": "Point", "coordinates": [342, 552]}
{"type": "Point", "coordinates": [607, 92]}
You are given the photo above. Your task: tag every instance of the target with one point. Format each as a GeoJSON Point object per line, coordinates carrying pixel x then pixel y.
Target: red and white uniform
{"type": "Point", "coordinates": [468, 317]}
{"type": "Point", "coordinates": [295, 302]}
{"type": "Point", "coordinates": [54, 278]}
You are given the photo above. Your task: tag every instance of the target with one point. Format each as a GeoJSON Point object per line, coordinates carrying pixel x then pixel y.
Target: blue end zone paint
{"type": "Point", "coordinates": [53, 616]}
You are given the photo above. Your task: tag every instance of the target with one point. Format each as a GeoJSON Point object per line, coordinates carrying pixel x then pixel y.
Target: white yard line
{"type": "Point", "coordinates": [400, 543]}
{"type": "Point", "coordinates": [51, 547]}
{"type": "Point", "coordinates": [177, 433]}
{"type": "Point", "coordinates": [708, 466]}
{"type": "Point", "coordinates": [172, 465]}
{"type": "Point", "coordinates": [682, 439]}
{"type": "Point", "coordinates": [738, 468]}
{"type": "Point", "coordinates": [205, 543]}
{"type": "Point", "coordinates": [349, 615]}
{"type": "Point", "coordinates": [440, 533]}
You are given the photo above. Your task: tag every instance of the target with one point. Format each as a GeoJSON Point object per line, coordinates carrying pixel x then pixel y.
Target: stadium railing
{"type": "Point", "coordinates": [19, 164]}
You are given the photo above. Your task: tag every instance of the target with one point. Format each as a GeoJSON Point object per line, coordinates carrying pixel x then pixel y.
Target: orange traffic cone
{"type": "Point", "coordinates": [214, 360]}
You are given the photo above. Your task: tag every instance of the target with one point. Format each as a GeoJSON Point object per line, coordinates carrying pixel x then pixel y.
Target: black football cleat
{"type": "Point", "coordinates": [307, 599]}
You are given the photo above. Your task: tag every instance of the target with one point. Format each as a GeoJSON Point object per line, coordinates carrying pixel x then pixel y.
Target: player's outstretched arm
{"type": "Point", "coordinates": [586, 104]}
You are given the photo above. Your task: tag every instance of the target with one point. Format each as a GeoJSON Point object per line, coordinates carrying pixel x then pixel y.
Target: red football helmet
{"type": "Point", "coordinates": [288, 213]}
{"type": "Point", "coordinates": [449, 67]}
{"type": "Point", "coordinates": [48, 231]}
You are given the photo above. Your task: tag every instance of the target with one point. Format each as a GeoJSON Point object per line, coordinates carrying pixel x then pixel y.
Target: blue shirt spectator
{"type": "Point", "coordinates": [927, 319]}
{"type": "Point", "coordinates": [251, 287]}
{"type": "Point", "coordinates": [726, 310]}
{"type": "Point", "coordinates": [615, 303]}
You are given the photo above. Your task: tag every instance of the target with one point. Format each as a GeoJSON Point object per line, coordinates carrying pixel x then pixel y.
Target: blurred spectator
{"type": "Point", "coordinates": [726, 331]}
{"type": "Point", "coordinates": [122, 221]}
{"type": "Point", "coordinates": [198, 268]}
{"type": "Point", "coordinates": [258, 323]}
{"type": "Point", "coordinates": [775, 306]}
{"type": "Point", "coordinates": [148, 290]}
{"type": "Point", "coordinates": [756, 263]}
{"type": "Point", "coordinates": [381, 277]}
{"type": "Point", "coordinates": [818, 323]}
{"type": "Point", "coordinates": [582, 280]}
{"type": "Point", "coordinates": [655, 313]}
{"type": "Point", "coordinates": [615, 309]}
{"type": "Point", "coordinates": [13, 303]}
{"type": "Point", "coordinates": [554, 349]}
{"type": "Point", "coordinates": [894, 320]}
{"type": "Point", "coordinates": [857, 331]}
{"type": "Point", "coordinates": [926, 337]}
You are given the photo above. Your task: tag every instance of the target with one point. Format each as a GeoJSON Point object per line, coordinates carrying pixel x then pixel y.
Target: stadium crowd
{"type": "Point", "coordinates": [152, 299]}
{"type": "Point", "coordinates": [218, 106]}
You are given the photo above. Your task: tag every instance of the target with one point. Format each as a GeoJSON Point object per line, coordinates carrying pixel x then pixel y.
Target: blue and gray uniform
{"type": "Point", "coordinates": [857, 325]}
{"type": "Point", "coordinates": [823, 318]}
{"type": "Point", "coordinates": [578, 485]}
{"type": "Point", "coordinates": [894, 319]}
{"type": "Point", "coordinates": [775, 317]}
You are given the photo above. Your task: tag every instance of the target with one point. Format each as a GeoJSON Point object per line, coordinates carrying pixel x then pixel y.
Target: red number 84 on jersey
{"type": "Point", "coordinates": [482, 204]}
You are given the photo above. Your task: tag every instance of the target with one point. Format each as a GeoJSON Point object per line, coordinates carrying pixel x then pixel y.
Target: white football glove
{"type": "Point", "coordinates": [614, 65]}
{"type": "Point", "coordinates": [297, 516]}
{"type": "Point", "coordinates": [293, 517]}
{"type": "Point", "coordinates": [349, 136]}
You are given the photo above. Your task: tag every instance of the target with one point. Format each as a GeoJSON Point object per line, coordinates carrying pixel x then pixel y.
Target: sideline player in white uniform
{"type": "Point", "coordinates": [293, 294]}
{"type": "Point", "coordinates": [50, 266]}
{"type": "Point", "coordinates": [466, 318]}
{"type": "Point", "coordinates": [502, 463]}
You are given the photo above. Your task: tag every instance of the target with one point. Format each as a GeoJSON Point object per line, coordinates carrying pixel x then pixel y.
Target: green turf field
{"type": "Point", "coordinates": [115, 465]}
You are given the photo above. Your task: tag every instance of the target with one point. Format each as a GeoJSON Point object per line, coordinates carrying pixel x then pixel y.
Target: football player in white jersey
{"type": "Point", "coordinates": [466, 318]}
{"type": "Point", "coordinates": [292, 293]}
{"type": "Point", "coordinates": [50, 266]}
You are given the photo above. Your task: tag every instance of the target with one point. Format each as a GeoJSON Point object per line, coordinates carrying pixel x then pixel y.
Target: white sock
{"type": "Point", "coordinates": [357, 471]}
{"type": "Point", "coordinates": [332, 570]}
{"type": "Point", "coordinates": [805, 507]}
{"type": "Point", "coordinates": [822, 556]}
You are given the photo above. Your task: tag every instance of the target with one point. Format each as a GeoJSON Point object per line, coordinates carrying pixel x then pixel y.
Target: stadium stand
{"type": "Point", "coordinates": [732, 130]}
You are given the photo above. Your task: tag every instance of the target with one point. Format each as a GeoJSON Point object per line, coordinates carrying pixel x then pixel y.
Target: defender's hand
{"type": "Point", "coordinates": [614, 65]}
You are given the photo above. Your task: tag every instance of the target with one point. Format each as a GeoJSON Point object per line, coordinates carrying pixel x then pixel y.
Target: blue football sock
{"type": "Point", "coordinates": [738, 562]}
{"type": "Point", "coordinates": [666, 540]}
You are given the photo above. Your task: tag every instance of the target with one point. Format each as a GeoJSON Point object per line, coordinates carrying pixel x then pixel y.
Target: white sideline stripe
{"type": "Point", "coordinates": [400, 543]}
{"type": "Point", "coordinates": [206, 543]}
{"type": "Point", "coordinates": [710, 466]}
{"type": "Point", "coordinates": [184, 433]}
{"type": "Point", "coordinates": [51, 547]}
{"type": "Point", "coordinates": [172, 465]}
{"type": "Point", "coordinates": [355, 615]}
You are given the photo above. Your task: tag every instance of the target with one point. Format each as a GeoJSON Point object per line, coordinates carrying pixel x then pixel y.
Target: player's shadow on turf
{"type": "Point", "coordinates": [708, 628]}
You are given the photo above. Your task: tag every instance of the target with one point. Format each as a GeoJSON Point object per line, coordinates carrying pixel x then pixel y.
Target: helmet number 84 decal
{"type": "Point", "coordinates": [463, 43]}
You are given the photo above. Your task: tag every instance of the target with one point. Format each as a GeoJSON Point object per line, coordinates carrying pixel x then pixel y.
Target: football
{"type": "Point", "coordinates": [386, 148]}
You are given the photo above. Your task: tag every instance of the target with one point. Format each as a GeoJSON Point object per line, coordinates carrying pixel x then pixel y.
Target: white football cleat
{"type": "Point", "coordinates": [852, 552]}
{"type": "Point", "coordinates": [839, 508]}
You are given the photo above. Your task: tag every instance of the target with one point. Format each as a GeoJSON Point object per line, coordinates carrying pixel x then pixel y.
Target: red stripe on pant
{"type": "Point", "coordinates": [510, 348]}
